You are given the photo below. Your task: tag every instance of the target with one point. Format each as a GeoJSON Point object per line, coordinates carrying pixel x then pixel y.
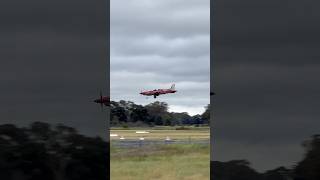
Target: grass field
{"type": "Point", "coordinates": [165, 162]}
{"type": "Point", "coordinates": [161, 162]}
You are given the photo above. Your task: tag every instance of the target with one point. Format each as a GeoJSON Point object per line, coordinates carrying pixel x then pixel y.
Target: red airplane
{"type": "Point", "coordinates": [104, 100]}
{"type": "Point", "coordinates": [158, 92]}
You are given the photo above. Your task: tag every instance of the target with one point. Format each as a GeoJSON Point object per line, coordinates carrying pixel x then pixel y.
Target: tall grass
{"type": "Point", "coordinates": [164, 162]}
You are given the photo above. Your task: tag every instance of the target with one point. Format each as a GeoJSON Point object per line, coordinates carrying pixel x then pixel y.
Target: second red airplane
{"type": "Point", "coordinates": [158, 92]}
{"type": "Point", "coordinates": [103, 100]}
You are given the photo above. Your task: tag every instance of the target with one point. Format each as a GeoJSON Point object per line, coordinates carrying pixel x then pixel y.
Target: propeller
{"type": "Point", "coordinates": [101, 104]}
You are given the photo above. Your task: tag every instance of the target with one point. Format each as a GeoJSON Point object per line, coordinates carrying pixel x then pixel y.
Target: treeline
{"type": "Point", "coordinates": [44, 152]}
{"type": "Point", "coordinates": [127, 113]}
{"type": "Point", "coordinates": [307, 169]}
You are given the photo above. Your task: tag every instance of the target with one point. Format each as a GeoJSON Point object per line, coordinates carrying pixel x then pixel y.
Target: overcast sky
{"type": "Point", "coordinates": [266, 76]}
{"type": "Point", "coordinates": [157, 43]}
{"type": "Point", "coordinates": [266, 67]}
{"type": "Point", "coordinates": [53, 63]}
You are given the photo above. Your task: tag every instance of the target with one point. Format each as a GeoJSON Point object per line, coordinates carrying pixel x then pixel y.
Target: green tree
{"type": "Point", "coordinates": [206, 115]}
{"type": "Point", "coordinates": [280, 173]}
{"type": "Point", "coordinates": [234, 170]}
{"type": "Point", "coordinates": [139, 113]}
{"type": "Point", "coordinates": [41, 152]}
{"type": "Point", "coordinates": [158, 111]}
{"type": "Point", "coordinates": [120, 113]}
{"type": "Point", "coordinates": [157, 108]}
{"type": "Point", "coordinates": [309, 167]}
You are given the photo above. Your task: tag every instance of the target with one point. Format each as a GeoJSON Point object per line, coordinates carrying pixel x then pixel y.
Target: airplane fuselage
{"type": "Point", "coordinates": [157, 92]}
{"type": "Point", "coordinates": [103, 100]}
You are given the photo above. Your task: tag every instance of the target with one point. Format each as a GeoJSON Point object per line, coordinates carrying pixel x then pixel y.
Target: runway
{"type": "Point", "coordinates": [139, 143]}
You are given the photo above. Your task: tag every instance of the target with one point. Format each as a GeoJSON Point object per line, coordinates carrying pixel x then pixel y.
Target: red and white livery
{"type": "Point", "coordinates": [158, 92]}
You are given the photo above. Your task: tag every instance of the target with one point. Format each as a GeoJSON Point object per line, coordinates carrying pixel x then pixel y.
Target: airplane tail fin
{"type": "Point", "coordinates": [172, 87]}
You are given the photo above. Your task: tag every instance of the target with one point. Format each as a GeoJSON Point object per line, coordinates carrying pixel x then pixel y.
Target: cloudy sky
{"type": "Point", "coordinates": [53, 63]}
{"type": "Point", "coordinates": [157, 43]}
{"type": "Point", "coordinates": [266, 76]}
{"type": "Point", "coordinates": [266, 67]}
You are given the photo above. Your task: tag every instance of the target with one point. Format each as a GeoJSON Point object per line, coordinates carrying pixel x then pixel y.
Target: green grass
{"type": "Point", "coordinates": [165, 162]}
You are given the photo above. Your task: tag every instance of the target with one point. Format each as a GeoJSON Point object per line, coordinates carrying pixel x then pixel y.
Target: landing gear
{"type": "Point", "coordinates": [154, 96]}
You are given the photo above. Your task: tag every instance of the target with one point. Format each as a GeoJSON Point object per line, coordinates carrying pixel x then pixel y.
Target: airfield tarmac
{"type": "Point", "coordinates": [185, 156]}
{"type": "Point", "coordinates": [135, 137]}
{"type": "Point", "coordinates": [158, 134]}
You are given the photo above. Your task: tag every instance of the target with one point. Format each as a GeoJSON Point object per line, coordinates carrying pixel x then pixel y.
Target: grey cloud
{"type": "Point", "coordinates": [168, 18]}
{"type": "Point", "coordinates": [285, 55]}
{"type": "Point", "coordinates": [270, 23]}
{"type": "Point", "coordinates": [164, 67]}
{"type": "Point", "coordinates": [68, 17]}
{"type": "Point", "coordinates": [156, 43]}
{"type": "Point", "coordinates": [53, 63]}
{"type": "Point", "coordinates": [190, 93]}
{"type": "Point", "coordinates": [261, 156]}
{"type": "Point", "coordinates": [265, 76]}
